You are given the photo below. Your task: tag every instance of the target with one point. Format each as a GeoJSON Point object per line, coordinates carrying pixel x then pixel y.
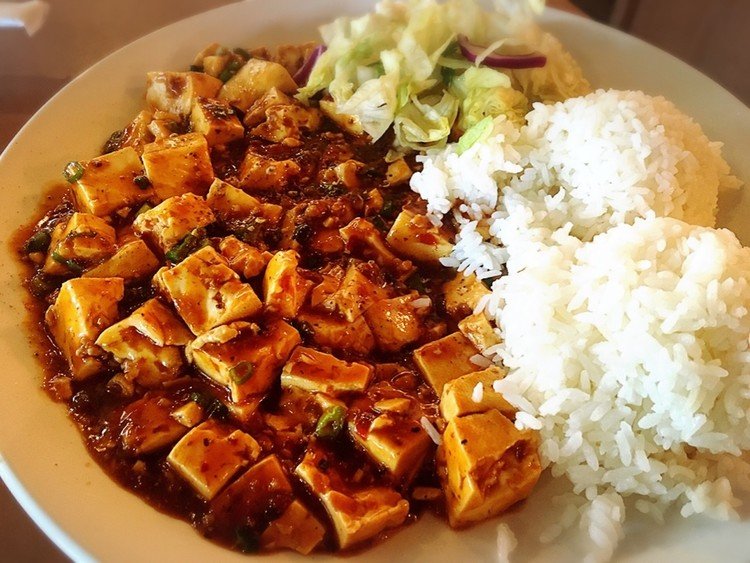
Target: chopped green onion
{"type": "Point", "coordinates": [331, 422]}
{"type": "Point", "coordinates": [448, 74]}
{"type": "Point", "coordinates": [142, 181]}
{"type": "Point", "coordinates": [38, 242]}
{"type": "Point", "coordinates": [230, 70]}
{"type": "Point", "coordinates": [69, 263]}
{"type": "Point", "coordinates": [40, 285]}
{"type": "Point", "coordinates": [73, 171]}
{"type": "Point", "coordinates": [246, 540]}
{"type": "Point", "coordinates": [379, 223]}
{"type": "Point", "coordinates": [143, 208]}
{"type": "Point", "coordinates": [185, 248]}
{"type": "Point", "coordinates": [242, 372]}
{"type": "Point", "coordinates": [242, 53]}
{"type": "Point", "coordinates": [389, 209]}
{"type": "Point", "coordinates": [196, 68]}
{"type": "Point", "coordinates": [216, 409]}
{"type": "Point", "coordinates": [415, 282]}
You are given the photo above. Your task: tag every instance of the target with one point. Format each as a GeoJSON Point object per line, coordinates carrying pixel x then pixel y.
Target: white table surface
{"type": "Point", "coordinates": [77, 34]}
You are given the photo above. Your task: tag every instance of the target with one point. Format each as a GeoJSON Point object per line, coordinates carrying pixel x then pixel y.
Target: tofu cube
{"type": "Point", "coordinates": [255, 78]}
{"type": "Point", "coordinates": [398, 173]}
{"type": "Point", "coordinates": [316, 371]}
{"type": "Point", "coordinates": [351, 336]}
{"type": "Point", "coordinates": [189, 414]}
{"type": "Point", "coordinates": [83, 308]}
{"type": "Point", "coordinates": [107, 183]}
{"type": "Point", "coordinates": [232, 203]}
{"type": "Point", "coordinates": [356, 515]}
{"type": "Point", "coordinates": [462, 294]}
{"type": "Point", "coordinates": [84, 240]}
{"type": "Point", "coordinates": [262, 489]}
{"type": "Point", "coordinates": [206, 292]}
{"type": "Point", "coordinates": [287, 121]}
{"type": "Point", "coordinates": [242, 358]}
{"type": "Point", "coordinates": [147, 344]}
{"type": "Point", "coordinates": [257, 112]}
{"type": "Point", "coordinates": [363, 239]}
{"type": "Point", "coordinates": [284, 289]}
{"type": "Point", "coordinates": [135, 135]}
{"type": "Point", "coordinates": [490, 465]}
{"type": "Point", "coordinates": [147, 425]}
{"type": "Point", "coordinates": [175, 92]}
{"type": "Point", "coordinates": [262, 173]}
{"type": "Point", "coordinates": [396, 322]}
{"type": "Point", "coordinates": [458, 394]}
{"type": "Point", "coordinates": [297, 529]}
{"type": "Point", "coordinates": [132, 261]}
{"type": "Point", "coordinates": [244, 259]}
{"type": "Point", "coordinates": [178, 164]}
{"type": "Point", "coordinates": [479, 331]}
{"type": "Point", "coordinates": [173, 219]}
{"type": "Point", "coordinates": [216, 121]}
{"type": "Point", "coordinates": [211, 454]}
{"type": "Point", "coordinates": [357, 292]}
{"type": "Point", "coordinates": [416, 237]}
{"type": "Point", "coordinates": [395, 442]}
{"type": "Point", "coordinates": [445, 359]}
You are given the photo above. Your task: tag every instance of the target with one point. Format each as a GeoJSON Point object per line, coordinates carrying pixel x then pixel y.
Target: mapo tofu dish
{"type": "Point", "coordinates": [245, 313]}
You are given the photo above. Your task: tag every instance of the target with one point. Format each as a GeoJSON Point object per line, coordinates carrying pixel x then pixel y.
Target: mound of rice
{"type": "Point", "coordinates": [625, 327]}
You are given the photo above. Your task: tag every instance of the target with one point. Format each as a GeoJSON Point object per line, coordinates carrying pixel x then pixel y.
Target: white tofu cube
{"type": "Point", "coordinates": [262, 173]}
{"type": "Point", "coordinates": [179, 164]}
{"type": "Point", "coordinates": [189, 414]}
{"type": "Point", "coordinates": [445, 359]}
{"type": "Point", "coordinates": [416, 237]}
{"type": "Point", "coordinates": [242, 358]}
{"type": "Point", "coordinates": [173, 219]}
{"type": "Point", "coordinates": [284, 289]}
{"type": "Point", "coordinates": [109, 183]}
{"type": "Point", "coordinates": [81, 242]}
{"type": "Point", "coordinates": [462, 294]}
{"type": "Point", "coordinates": [339, 334]}
{"type": "Point", "coordinates": [316, 371]}
{"type": "Point", "coordinates": [255, 78]}
{"type": "Point", "coordinates": [206, 292]}
{"type": "Point", "coordinates": [287, 121]}
{"type": "Point", "coordinates": [175, 92]}
{"type": "Point", "coordinates": [363, 239]}
{"type": "Point", "coordinates": [358, 292]}
{"type": "Point", "coordinates": [148, 427]}
{"type": "Point", "coordinates": [147, 344]}
{"type": "Point", "coordinates": [297, 529]}
{"type": "Point", "coordinates": [132, 261]}
{"type": "Point", "coordinates": [232, 203]}
{"type": "Point", "coordinates": [479, 331]}
{"type": "Point", "coordinates": [216, 121]}
{"type": "Point", "coordinates": [211, 454]}
{"type": "Point", "coordinates": [244, 259]}
{"type": "Point", "coordinates": [83, 308]}
{"type": "Point", "coordinates": [396, 322]}
{"type": "Point", "coordinates": [458, 394]}
{"type": "Point", "coordinates": [356, 515]}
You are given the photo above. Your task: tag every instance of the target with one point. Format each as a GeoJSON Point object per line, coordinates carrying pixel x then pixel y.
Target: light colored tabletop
{"type": "Point", "coordinates": [77, 34]}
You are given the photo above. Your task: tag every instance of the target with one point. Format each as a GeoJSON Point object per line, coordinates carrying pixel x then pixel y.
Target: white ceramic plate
{"type": "Point", "coordinates": [43, 459]}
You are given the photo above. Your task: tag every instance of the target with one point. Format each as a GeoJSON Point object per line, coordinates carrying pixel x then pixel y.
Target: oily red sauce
{"type": "Point", "coordinates": [98, 408]}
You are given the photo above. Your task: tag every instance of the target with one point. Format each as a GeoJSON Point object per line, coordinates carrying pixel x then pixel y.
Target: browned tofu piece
{"type": "Point", "coordinates": [262, 490]}
{"type": "Point", "coordinates": [445, 359]}
{"type": "Point", "coordinates": [148, 427]}
{"type": "Point", "coordinates": [83, 308]}
{"type": "Point", "coordinates": [458, 394]}
{"type": "Point", "coordinates": [414, 236]}
{"type": "Point", "coordinates": [356, 515]}
{"type": "Point", "coordinates": [398, 172]}
{"type": "Point", "coordinates": [339, 334]}
{"type": "Point", "coordinates": [211, 454]}
{"type": "Point", "coordinates": [284, 289]}
{"type": "Point", "coordinates": [132, 261]}
{"type": "Point", "coordinates": [178, 165]}
{"type": "Point", "coordinates": [358, 292]}
{"type": "Point", "coordinates": [243, 358]}
{"type": "Point", "coordinates": [316, 371]}
{"type": "Point", "coordinates": [147, 344]}
{"type": "Point", "coordinates": [175, 92]}
{"type": "Point", "coordinates": [173, 219]}
{"type": "Point", "coordinates": [287, 121]}
{"type": "Point", "coordinates": [244, 259]}
{"type": "Point", "coordinates": [479, 331]}
{"type": "Point", "coordinates": [363, 239]}
{"type": "Point", "coordinates": [490, 465]}
{"type": "Point", "coordinates": [83, 240]}
{"type": "Point", "coordinates": [206, 292]}
{"type": "Point", "coordinates": [262, 173]}
{"type": "Point", "coordinates": [108, 183]}
{"type": "Point", "coordinates": [462, 294]}
{"type": "Point", "coordinates": [297, 529]}
{"type": "Point", "coordinates": [255, 78]}
{"type": "Point", "coordinates": [257, 112]}
{"type": "Point", "coordinates": [394, 441]}
{"type": "Point", "coordinates": [396, 322]}
{"type": "Point", "coordinates": [232, 203]}
{"type": "Point", "coordinates": [216, 121]}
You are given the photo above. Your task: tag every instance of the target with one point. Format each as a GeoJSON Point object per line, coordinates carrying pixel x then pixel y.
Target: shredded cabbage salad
{"type": "Point", "coordinates": [401, 66]}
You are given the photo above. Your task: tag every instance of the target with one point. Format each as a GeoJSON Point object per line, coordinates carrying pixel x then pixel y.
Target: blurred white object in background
{"type": "Point", "coordinates": [29, 15]}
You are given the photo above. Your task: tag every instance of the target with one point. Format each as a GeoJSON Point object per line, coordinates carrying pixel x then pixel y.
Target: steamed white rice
{"type": "Point", "coordinates": [624, 315]}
